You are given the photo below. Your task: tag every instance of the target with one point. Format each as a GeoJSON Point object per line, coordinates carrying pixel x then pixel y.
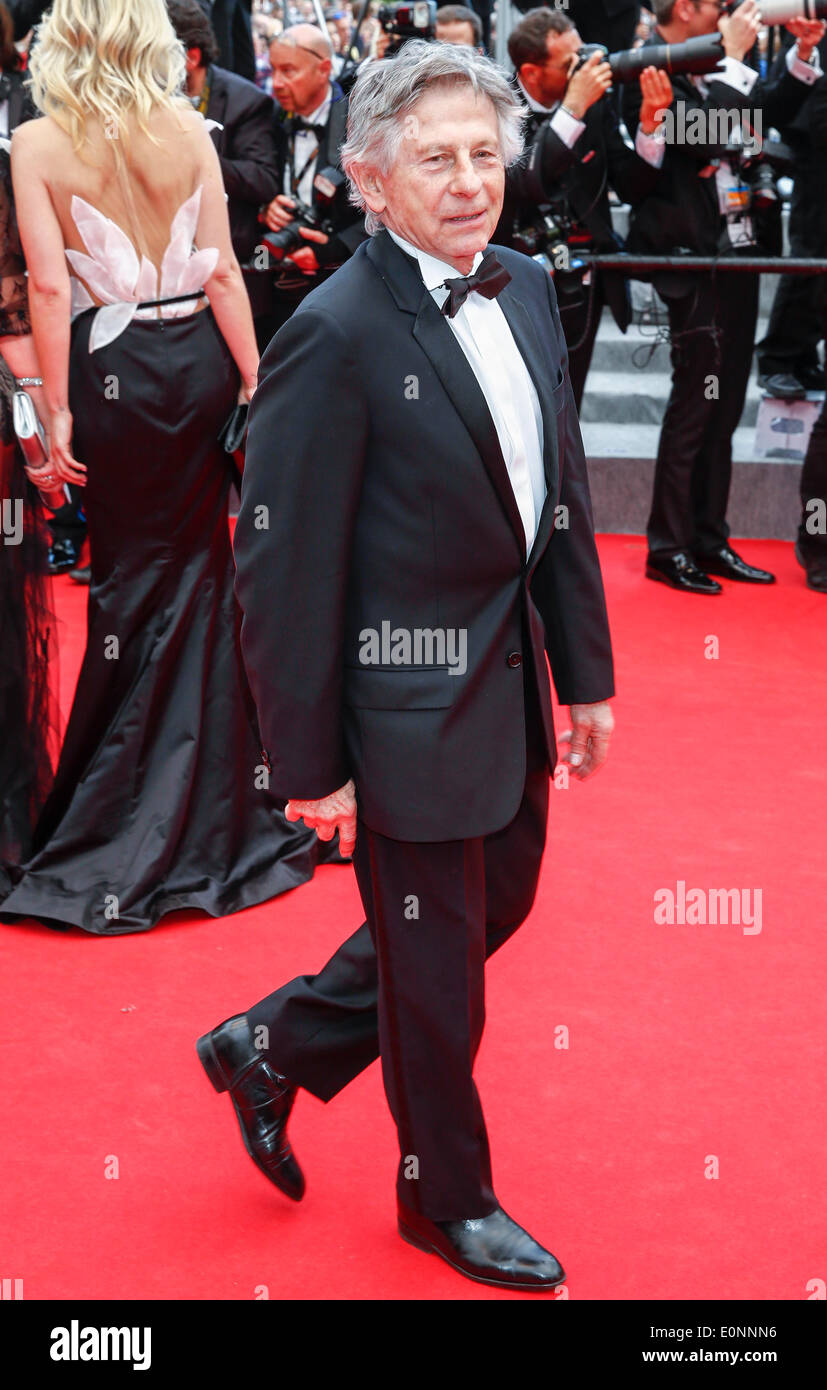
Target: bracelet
{"type": "Point", "coordinates": [28, 380]}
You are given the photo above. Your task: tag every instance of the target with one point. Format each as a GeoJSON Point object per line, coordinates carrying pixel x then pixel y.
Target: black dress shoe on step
{"type": "Point", "coordinates": [782, 386]}
{"type": "Point", "coordinates": [492, 1249]}
{"type": "Point", "coordinates": [262, 1099]}
{"type": "Point", "coordinates": [811, 378]}
{"type": "Point", "coordinates": [681, 572]}
{"type": "Point", "coordinates": [816, 569]}
{"type": "Point", "coordinates": [725, 561]}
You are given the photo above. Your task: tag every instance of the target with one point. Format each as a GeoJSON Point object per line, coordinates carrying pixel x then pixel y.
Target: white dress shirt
{"type": "Point", "coordinates": [481, 329]}
{"type": "Point", "coordinates": [304, 142]}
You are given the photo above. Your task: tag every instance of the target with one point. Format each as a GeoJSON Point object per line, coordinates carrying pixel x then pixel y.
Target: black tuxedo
{"type": "Point", "coordinates": [435, 756]}
{"type": "Point", "coordinates": [249, 164]}
{"type": "Point", "coordinates": [232, 25]}
{"type": "Point", "coordinates": [389, 500]}
{"type": "Point", "coordinates": [579, 178]}
{"type": "Point", "coordinates": [289, 286]}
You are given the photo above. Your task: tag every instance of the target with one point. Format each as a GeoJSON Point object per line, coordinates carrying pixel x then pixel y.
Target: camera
{"type": "Point", "coordinates": [760, 170]}
{"type": "Point", "coordinates": [779, 11]}
{"type": "Point", "coordinates": [402, 22]}
{"type": "Point", "coordinates": [281, 243]}
{"type": "Point", "coordinates": [697, 55]}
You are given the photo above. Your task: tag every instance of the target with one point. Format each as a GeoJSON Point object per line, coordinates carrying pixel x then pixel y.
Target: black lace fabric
{"type": "Point", "coordinates": [29, 724]}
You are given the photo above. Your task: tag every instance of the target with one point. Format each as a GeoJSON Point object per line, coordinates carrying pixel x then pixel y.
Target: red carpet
{"type": "Point", "coordinates": [685, 1041]}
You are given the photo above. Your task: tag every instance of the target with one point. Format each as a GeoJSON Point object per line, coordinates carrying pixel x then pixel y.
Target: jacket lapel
{"type": "Point", "coordinates": [402, 276]}
{"type": "Point", "coordinates": [542, 371]}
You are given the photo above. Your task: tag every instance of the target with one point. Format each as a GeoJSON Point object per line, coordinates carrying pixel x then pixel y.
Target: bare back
{"type": "Point", "coordinates": [117, 209]}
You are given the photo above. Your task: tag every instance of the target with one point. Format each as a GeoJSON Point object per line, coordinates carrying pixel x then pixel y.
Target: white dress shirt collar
{"type": "Point", "coordinates": [434, 272]}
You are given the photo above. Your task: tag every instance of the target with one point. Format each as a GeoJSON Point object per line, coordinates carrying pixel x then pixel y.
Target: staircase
{"type": "Point", "coordinates": [626, 392]}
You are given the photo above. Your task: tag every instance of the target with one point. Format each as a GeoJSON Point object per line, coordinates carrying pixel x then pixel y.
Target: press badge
{"type": "Point", "coordinates": [324, 186]}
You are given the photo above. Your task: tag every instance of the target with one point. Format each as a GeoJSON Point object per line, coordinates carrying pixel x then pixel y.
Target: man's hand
{"type": "Point", "coordinates": [588, 737]}
{"type": "Point", "coordinates": [740, 30]}
{"type": "Point", "coordinates": [304, 256]}
{"type": "Point", "coordinates": [657, 98]}
{"type": "Point", "coordinates": [587, 85]}
{"type": "Point", "coordinates": [332, 813]}
{"type": "Point", "coordinates": [808, 32]}
{"type": "Point", "coordinates": [281, 211]}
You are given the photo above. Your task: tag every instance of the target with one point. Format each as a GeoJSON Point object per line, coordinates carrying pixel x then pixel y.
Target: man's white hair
{"type": "Point", "coordinates": [387, 90]}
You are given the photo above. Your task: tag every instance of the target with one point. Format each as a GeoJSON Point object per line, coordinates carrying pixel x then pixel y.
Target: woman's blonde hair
{"type": "Point", "coordinates": [107, 59]}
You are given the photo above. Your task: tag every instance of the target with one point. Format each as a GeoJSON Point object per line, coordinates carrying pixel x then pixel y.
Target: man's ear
{"type": "Point", "coordinates": [369, 183]}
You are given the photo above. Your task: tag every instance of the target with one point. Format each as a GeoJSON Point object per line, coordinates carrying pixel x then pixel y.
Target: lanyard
{"type": "Point", "coordinates": [295, 179]}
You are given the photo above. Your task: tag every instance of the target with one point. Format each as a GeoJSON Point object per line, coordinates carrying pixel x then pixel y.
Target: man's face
{"type": "Point", "coordinates": [444, 193]}
{"type": "Point", "coordinates": [456, 31]}
{"type": "Point", "coordinates": [699, 16]}
{"type": "Point", "coordinates": [300, 78]}
{"type": "Point", "coordinates": [551, 78]}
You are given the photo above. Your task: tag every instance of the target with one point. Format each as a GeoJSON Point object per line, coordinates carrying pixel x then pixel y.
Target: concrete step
{"type": "Point", "coordinates": [639, 398]}
{"type": "Point", "coordinates": [643, 348]}
{"type": "Point", "coordinates": [640, 441]}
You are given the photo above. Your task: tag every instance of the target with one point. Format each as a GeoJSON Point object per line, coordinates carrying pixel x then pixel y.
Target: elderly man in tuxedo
{"type": "Point", "coordinates": [415, 536]}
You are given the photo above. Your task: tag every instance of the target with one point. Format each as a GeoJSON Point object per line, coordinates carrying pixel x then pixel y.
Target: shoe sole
{"type": "Point", "coordinates": [209, 1061]}
{"type": "Point", "coordinates": [661, 579]}
{"type": "Point", "coordinates": [420, 1244]}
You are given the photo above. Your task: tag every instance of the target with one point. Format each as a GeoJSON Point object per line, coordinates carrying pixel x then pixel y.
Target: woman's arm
{"type": "Point", "coordinates": [225, 288]}
{"type": "Point", "coordinates": [50, 295]}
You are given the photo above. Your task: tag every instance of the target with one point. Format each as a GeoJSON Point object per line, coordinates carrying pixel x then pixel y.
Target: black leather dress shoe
{"type": "Point", "coordinates": [725, 561]}
{"type": "Point", "coordinates": [82, 575]}
{"type": "Point", "coordinates": [681, 572]}
{"type": "Point", "coordinates": [816, 568]}
{"type": "Point", "coordinates": [782, 386]}
{"type": "Point", "coordinates": [262, 1099]}
{"type": "Point", "coordinates": [63, 555]}
{"type": "Point", "coordinates": [492, 1249]}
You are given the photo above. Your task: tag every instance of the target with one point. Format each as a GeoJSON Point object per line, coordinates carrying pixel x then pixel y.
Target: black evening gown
{"type": "Point", "coordinates": [160, 799]}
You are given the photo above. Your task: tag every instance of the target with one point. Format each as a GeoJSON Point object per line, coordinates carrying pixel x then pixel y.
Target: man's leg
{"type": "Point", "coordinates": [737, 314]}
{"type": "Point", "coordinates": [692, 326]}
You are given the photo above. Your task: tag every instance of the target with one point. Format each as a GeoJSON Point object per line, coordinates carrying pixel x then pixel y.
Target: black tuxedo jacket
{"type": "Point", "coordinates": [348, 222]}
{"type": "Point", "coordinates": [374, 492]}
{"type": "Point", "coordinates": [581, 175]}
{"type": "Point", "coordinates": [683, 211]}
{"type": "Point", "coordinates": [246, 151]}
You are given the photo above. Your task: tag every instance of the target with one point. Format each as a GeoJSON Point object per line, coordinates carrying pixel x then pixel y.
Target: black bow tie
{"type": "Point", "coordinates": [299, 123]}
{"type": "Point", "coordinates": [489, 279]}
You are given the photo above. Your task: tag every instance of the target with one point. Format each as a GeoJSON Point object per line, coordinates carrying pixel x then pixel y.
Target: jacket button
{"type": "Point", "coordinates": [514, 659]}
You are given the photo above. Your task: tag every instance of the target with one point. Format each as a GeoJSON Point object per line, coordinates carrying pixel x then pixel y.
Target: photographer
{"type": "Point", "coordinates": [703, 205]}
{"type": "Point", "coordinates": [310, 127]}
{"type": "Point", "coordinates": [242, 135]}
{"type": "Point", "coordinates": [575, 154]}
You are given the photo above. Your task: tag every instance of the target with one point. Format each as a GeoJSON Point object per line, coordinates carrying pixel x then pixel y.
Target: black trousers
{"type": "Point", "coordinates": [813, 487]}
{"type": "Point", "coordinates": [580, 310]}
{"type": "Point", "coordinates": [410, 985]}
{"type": "Point", "coordinates": [712, 332]}
{"type": "Point", "coordinates": [795, 327]}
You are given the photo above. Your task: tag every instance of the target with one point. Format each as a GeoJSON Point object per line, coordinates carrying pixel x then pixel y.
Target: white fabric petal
{"type": "Point", "coordinates": [108, 322]}
{"type": "Point", "coordinates": [107, 244]}
{"type": "Point", "coordinates": [81, 298]}
{"type": "Point", "coordinates": [96, 276]}
{"type": "Point", "coordinates": [147, 283]}
{"type": "Point", "coordinates": [179, 250]}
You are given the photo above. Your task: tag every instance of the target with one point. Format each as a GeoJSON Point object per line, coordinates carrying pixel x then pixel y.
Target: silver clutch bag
{"type": "Point", "coordinates": [31, 437]}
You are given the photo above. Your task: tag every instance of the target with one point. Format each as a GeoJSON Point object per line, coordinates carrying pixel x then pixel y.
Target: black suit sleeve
{"type": "Point", "coordinates": [251, 172]}
{"type": "Point", "coordinates": [26, 13]}
{"type": "Point", "coordinates": [567, 586]}
{"type": "Point", "coordinates": [631, 177]}
{"type": "Point", "coordinates": [305, 467]}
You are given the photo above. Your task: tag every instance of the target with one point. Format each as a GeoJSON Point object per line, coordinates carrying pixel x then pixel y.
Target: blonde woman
{"type": "Point", "coordinates": [145, 342]}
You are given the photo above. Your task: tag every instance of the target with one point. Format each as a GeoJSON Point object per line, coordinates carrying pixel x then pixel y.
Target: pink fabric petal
{"type": "Point", "coordinates": [106, 243]}
{"type": "Point", "coordinates": [147, 283]}
{"type": "Point", "coordinates": [96, 276]}
{"type": "Point", "coordinates": [81, 298]}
